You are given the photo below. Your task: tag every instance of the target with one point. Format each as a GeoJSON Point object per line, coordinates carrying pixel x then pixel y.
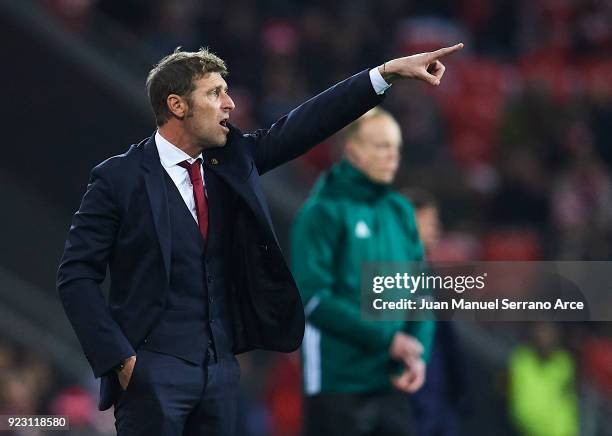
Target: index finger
{"type": "Point", "coordinates": [440, 53]}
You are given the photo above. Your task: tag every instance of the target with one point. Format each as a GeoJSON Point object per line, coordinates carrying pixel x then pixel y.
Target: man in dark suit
{"type": "Point", "coordinates": [197, 275]}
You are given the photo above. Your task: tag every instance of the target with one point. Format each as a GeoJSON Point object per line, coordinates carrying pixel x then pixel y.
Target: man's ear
{"type": "Point", "coordinates": [177, 106]}
{"type": "Point", "coordinates": [351, 152]}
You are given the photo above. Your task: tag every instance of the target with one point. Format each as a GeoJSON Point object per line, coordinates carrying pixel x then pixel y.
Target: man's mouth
{"type": "Point", "coordinates": [223, 124]}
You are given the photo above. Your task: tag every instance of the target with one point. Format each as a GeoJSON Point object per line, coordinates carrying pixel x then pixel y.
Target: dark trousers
{"type": "Point", "coordinates": [358, 414]}
{"type": "Point", "coordinates": [440, 421]}
{"type": "Point", "coordinates": [168, 396]}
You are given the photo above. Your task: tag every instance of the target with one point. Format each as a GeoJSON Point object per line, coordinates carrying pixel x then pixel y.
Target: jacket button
{"type": "Point", "coordinates": [210, 279]}
{"type": "Point", "coordinates": [146, 340]}
{"type": "Point", "coordinates": [210, 299]}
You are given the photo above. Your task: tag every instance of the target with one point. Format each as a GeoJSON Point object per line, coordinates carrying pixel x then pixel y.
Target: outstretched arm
{"type": "Point", "coordinates": [313, 121]}
{"type": "Point", "coordinates": [323, 115]}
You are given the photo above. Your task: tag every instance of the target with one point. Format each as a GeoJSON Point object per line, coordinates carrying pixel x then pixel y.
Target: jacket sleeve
{"type": "Point", "coordinates": [422, 330]}
{"type": "Point", "coordinates": [313, 121]}
{"type": "Point", "coordinates": [83, 268]}
{"type": "Point", "coordinates": [316, 234]}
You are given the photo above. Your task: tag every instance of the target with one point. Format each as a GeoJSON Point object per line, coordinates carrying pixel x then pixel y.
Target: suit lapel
{"type": "Point", "coordinates": [158, 198]}
{"type": "Point", "coordinates": [235, 171]}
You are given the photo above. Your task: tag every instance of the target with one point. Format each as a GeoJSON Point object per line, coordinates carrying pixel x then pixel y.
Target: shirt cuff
{"type": "Point", "coordinates": [379, 84]}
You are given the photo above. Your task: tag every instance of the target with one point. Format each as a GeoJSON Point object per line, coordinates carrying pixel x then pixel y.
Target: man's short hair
{"type": "Point", "coordinates": [350, 131]}
{"type": "Point", "coordinates": [175, 74]}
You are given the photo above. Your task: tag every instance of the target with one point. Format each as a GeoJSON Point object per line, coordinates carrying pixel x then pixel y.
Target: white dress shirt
{"type": "Point", "coordinates": [170, 155]}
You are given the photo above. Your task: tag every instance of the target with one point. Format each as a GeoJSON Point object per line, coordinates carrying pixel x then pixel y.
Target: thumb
{"type": "Point", "coordinates": [416, 344]}
{"type": "Point", "coordinates": [430, 78]}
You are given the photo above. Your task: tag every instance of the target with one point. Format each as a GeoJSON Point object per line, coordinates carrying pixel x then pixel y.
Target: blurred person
{"type": "Point", "coordinates": [427, 215]}
{"type": "Point", "coordinates": [197, 274]}
{"type": "Point", "coordinates": [353, 216]}
{"type": "Point", "coordinates": [38, 372]}
{"type": "Point", "coordinates": [438, 404]}
{"type": "Point", "coordinates": [581, 200]}
{"type": "Point", "coordinates": [542, 391]}
{"type": "Point", "coordinates": [19, 396]}
{"type": "Point", "coordinates": [522, 196]}
{"type": "Point", "coordinates": [283, 86]}
{"type": "Point", "coordinates": [26, 381]}
{"type": "Point", "coordinates": [595, 349]}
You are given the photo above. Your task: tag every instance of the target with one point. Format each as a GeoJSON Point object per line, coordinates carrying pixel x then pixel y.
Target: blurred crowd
{"type": "Point", "coordinates": [515, 145]}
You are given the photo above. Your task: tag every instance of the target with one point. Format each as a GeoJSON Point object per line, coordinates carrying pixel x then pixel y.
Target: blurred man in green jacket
{"type": "Point", "coordinates": [357, 373]}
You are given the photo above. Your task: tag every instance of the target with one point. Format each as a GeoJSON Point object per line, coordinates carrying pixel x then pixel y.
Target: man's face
{"type": "Point", "coordinates": [209, 107]}
{"type": "Point", "coordinates": [375, 148]}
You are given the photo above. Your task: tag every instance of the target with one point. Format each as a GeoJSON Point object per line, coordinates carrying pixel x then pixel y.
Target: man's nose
{"type": "Point", "coordinates": [228, 104]}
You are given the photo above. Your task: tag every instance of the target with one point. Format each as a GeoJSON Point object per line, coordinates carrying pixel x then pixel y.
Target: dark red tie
{"type": "Point", "coordinates": [198, 194]}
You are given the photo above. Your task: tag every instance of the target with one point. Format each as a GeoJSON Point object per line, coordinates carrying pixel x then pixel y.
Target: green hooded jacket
{"type": "Point", "coordinates": [349, 220]}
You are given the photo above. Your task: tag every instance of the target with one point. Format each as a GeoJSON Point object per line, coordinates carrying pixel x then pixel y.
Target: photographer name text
{"type": "Point", "coordinates": [463, 304]}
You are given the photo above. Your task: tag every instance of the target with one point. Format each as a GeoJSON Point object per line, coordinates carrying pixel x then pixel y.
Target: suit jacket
{"type": "Point", "coordinates": [123, 223]}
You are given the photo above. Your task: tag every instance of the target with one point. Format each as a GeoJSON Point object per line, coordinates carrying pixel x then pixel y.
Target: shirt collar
{"type": "Point", "coordinates": [170, 154]}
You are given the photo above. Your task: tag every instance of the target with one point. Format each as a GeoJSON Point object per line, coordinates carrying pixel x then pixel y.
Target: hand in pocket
{"type": "Point", "coordinates": [125, 375]}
